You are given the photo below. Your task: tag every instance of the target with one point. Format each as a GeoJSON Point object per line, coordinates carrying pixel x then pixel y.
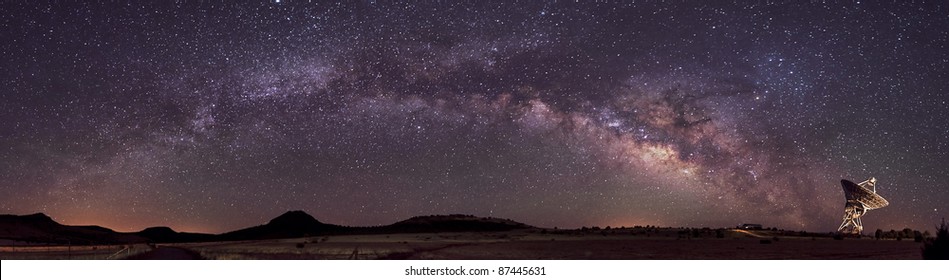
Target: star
{"type": "Point", "coordinates": [552, 114]}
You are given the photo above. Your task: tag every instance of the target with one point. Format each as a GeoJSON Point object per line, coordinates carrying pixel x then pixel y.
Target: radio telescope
{"type": "Point", "coordinates": [860, 198]}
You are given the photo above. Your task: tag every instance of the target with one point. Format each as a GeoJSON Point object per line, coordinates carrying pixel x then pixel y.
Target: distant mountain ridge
{"type": "Point", "coordinates": [446, 223]}
{"type": "Point", "coordinates": [40, 228]}
{"type": "Point", "coordinates": [168, 235]}
{"type": "Point", "coordinates": [289, 225]}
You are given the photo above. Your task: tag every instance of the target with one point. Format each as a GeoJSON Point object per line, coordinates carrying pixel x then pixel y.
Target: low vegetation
{"type": "Point", "coordinates": [938, 248]}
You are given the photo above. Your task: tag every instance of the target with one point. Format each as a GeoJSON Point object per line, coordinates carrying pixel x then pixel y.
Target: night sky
{"type": "Point", "coordinates": [210, 117]}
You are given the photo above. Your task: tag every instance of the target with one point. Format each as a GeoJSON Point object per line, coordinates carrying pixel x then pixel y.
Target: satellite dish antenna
{"type": "Point", "coordinates": [860, 198]}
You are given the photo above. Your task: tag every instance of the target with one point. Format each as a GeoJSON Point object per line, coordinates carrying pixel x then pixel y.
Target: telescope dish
{"type": "Point", "coordinates": [869, 198]}
{"type": "Point", "coordinates": [860, 199]}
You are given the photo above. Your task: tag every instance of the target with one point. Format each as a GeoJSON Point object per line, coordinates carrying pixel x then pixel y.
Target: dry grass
{"type": "Point", "coordinates": [522, 244]}
{"type": "Point", "coordinates": [534, 245]}
{"type": "Point", "coordinates": [100, 252]}
{"type": "Point", "coordinates": [335, 247]}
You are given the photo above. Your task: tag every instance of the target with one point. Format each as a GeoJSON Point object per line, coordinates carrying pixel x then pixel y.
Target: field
{"type": "Point", "coordinates": [667, 244]}
{"type": "Point", "coordinates": [57, 252]}
{"type": "Point", "coordinates": [522, 244]}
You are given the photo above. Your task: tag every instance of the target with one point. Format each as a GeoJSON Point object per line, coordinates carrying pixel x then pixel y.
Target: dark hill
{"type": "Point", "coordinates": [157, 231]}
{"type": "Point", "coordinates": [35, 219]}
{"type": "Point", "coordinates": [39, 228]}
{"type": "Point", "coordinates": [295, 224]}
{"type": "Point", "coordinates": [168, 235]}
{"type": "Point", "coordinates": [292, 224]}
{"type": "Point", "coordinates": [454, 223]}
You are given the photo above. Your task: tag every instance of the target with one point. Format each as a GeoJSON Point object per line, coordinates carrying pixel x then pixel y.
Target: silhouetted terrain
{"type": "Point", "coordinates": [39, 228]}
{"type": "Point", "coordinates": [453, 223]}
{"type": "Point", "coordinates": [168, 235]}
{"type": "Point", "coordinates": [297, 235]}
{"type": "Point", "coordinates": [295, 224]}
{"type": "Point", "coordinates": [289, 225]}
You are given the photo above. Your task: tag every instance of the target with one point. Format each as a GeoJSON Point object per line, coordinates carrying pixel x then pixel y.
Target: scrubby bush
{"type": "Point", "coordinates": [938, 248]}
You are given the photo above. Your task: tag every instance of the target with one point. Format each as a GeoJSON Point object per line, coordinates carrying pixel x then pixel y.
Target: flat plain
{"type": "Point", "coordinates": [661, 244]}
{"type": "Point", "coordinates": [669, 244]}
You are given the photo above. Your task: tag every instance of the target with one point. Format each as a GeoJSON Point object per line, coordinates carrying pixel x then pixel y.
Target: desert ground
{"type": "Point", "coordinates": [59, 252]}
{"type": "Point", "coordinates": [520, 244]}
{"type": "Point", "coordinates": [528, 245]}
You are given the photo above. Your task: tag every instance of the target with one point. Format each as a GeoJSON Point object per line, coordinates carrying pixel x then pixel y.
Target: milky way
{"type": "Point", "coordinates": [212, 117]}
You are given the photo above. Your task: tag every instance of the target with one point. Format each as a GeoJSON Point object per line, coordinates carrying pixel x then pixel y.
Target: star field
{"type": "Point", "coordinates": [210, 117]}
